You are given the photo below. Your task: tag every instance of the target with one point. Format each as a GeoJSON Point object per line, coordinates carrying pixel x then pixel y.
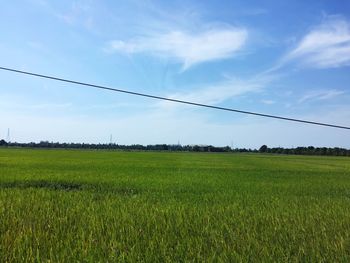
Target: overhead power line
{"type": "Point", "coordinates": [173, 100]}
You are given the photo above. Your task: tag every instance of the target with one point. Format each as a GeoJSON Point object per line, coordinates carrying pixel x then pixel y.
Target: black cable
{"type": "Point", "coordinates": [174, 100]}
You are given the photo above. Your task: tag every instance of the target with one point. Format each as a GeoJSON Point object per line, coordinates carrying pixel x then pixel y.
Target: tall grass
{"type": "Point", "coordinates": [99, 206]}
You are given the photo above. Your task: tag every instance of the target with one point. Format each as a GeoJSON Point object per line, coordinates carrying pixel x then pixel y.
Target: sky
{"type": "Point", "coordinates": [287, 58]}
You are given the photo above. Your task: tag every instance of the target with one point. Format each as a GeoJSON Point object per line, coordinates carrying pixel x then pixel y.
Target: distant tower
{"type": "Point", "coordinates": [8, 138]}
{"type": "Point", "coordinates": [111, 139]}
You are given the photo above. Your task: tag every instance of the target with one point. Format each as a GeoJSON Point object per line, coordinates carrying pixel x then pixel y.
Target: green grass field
{"type": "Point", "coordinates": [99, 206]}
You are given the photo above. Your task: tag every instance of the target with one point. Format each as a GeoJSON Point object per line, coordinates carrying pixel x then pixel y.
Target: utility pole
{"type": "Point", "coordinates": [8, 138]}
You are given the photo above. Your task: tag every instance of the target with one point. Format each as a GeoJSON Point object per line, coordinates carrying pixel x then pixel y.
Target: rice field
{"type": "Point", "coordinates": [109, 206]}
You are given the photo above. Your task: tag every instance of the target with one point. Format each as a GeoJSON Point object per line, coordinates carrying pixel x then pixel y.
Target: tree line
{"type": "Point", "coordinates": [310, 150]}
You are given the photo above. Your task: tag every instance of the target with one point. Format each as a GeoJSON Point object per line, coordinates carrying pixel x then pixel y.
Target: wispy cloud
{"type": "Point", "coordinates": [187, 48]}
{"type": "Point", "coordinates": [220, 92]}
{"type": "Point", "coordinates": [321, 95]}
{"type": "Point", "coordinates": [268, 102]}
{"type": "Point", "coordinates": [326, 46]}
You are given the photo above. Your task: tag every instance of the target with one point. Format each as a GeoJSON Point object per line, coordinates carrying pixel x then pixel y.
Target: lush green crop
{"type": "Point", "coordinates": [69, 206]}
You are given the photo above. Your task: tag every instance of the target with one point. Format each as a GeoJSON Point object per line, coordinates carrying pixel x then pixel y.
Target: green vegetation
{"type": "Point", "coordinates": [99, 206]}
{"type": "Point", "coordinates": [310, 150]}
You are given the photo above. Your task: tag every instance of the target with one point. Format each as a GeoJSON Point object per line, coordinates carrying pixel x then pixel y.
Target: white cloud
{"type": "Point", "coordinates": [188, 49]}
{"type": "Point", "coordinates": [220, 92]}
{"type": "Point", "coordinates": [326, 46]}
{"type": "Point", "coordinates": [321, 95]}
{"type": "Point", "coordinates": [268, 102]}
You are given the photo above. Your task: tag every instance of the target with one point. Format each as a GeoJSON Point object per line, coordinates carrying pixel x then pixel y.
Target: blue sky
{"type": "Point", "coordinates": [289, 58]}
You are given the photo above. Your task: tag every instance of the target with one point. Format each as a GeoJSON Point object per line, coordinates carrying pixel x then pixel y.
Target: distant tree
{"type": "Point", "coordinates": [196, 148]}
{"type": "Point", "coordinates": [263, 149]}
{"type": "Point", "coordinates": [3, 142]}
